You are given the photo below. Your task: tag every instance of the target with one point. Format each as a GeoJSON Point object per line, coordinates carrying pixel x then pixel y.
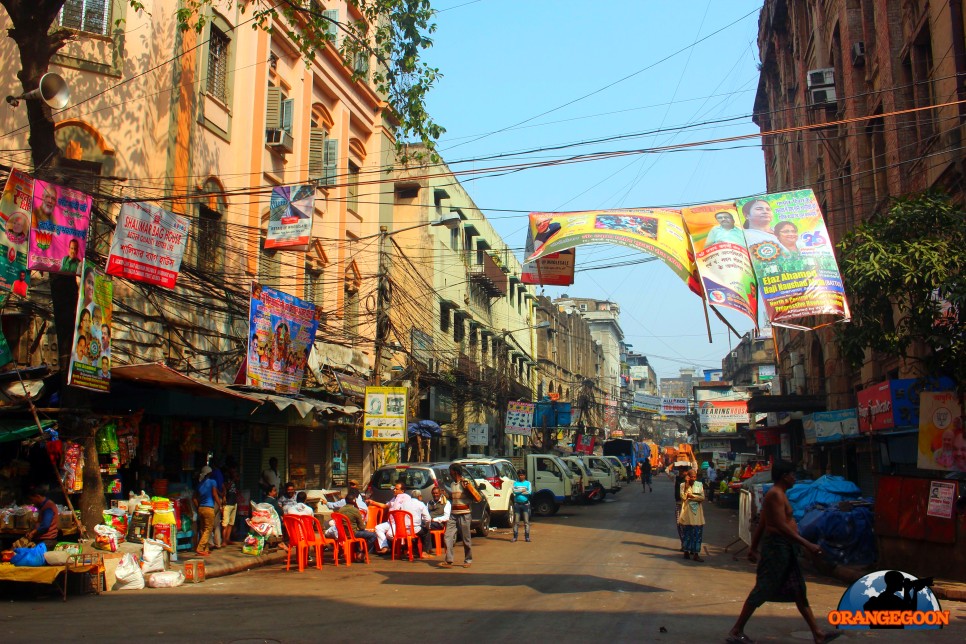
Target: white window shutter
{"type": "Point", "coordinates": [332, 18]}
{"type": "Point", "coordinates": [273, 109]}
{"type": "Point", "coordinates": [316, 153]}
{"type": "Point", "coordinates": [288, 113]}
{"type": "Point", "coordinates": [330, 163]}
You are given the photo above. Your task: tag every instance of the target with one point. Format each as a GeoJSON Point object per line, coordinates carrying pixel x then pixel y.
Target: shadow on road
{"type": "Point", "coordinates": [546, 584]}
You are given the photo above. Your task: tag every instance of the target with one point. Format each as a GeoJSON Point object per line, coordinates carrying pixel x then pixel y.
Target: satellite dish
{"type": "Point", "coordinates": [52, 90]}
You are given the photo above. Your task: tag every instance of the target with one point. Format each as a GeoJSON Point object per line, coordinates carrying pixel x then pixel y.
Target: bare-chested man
{"type": "Point", "coordinates": [780, 578]}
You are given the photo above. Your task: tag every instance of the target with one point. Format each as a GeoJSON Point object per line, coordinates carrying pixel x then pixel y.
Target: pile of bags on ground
{"type": "Point", "coordinates": [832, 513]}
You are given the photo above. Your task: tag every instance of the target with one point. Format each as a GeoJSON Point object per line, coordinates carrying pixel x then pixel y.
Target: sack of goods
{"type": "Point", "coordinates": [106, 538]}
{"type": "Point", "coordinates": [128, 574]}
{"type": "Point", "coordinates": [167, 579]}
{"type": "Point", "coordinates": [152, 556]}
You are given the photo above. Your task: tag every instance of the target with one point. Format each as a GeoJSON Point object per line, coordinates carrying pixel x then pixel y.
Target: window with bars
{"type": "Point", "coordinates": [217, 84]}
{"type": "Point", "coordinates": [210, 241]}
{"type": "Point", "coordinates": [313, 284]}
{"type": "Point", "coordinates": [92, 16]}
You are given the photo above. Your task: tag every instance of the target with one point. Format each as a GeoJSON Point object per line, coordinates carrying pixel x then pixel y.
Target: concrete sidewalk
{"type": "Point", "coordinates": [230, 560]}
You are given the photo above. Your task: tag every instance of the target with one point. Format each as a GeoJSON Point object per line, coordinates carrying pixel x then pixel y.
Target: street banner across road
{"type": "Point", "coordinates": [674, 406]}
{"type": "Point", "coordinates": [90, 358]}
{"type": "Point", "coordinates": [722, 259]}
{"type": "Point", "coordinates": [519, 418]}
{"type": "Point", "coordinates": [148, 245]}
{"type": "Point", "coordinates": [555, 269]}
{"type": "Point", "coordinates": [793, 258]}
{"type": "Point", "coordinates": [385, 414]}
{"type": "Point", "coordinates": [646, 402]}
{"type": "Point", "coordinates": [281, 331]}
{"type": "Point", "coordinates": [659, 232]}
{"type": "Point", "coordinates": [290, 217]}
{"type": "Point", "coordinates": [58, 228]}
{"type": "Point", "coordinates": [14, 230]}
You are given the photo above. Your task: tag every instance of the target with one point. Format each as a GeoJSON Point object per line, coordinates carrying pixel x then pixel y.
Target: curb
{"type": "Point", "coordinates": [241, 563]}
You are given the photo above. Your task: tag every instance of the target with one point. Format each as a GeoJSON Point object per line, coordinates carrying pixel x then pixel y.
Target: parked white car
{"type": "Point", "coordinates": [494, 477]}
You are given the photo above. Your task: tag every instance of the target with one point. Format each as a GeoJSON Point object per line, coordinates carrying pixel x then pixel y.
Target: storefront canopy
{"type": "Point", "coordinates": [17, 430]}
{"type": "Point", "coordinates": [304, 406]}
{"type": "Point", "coordinates": [155, 373]}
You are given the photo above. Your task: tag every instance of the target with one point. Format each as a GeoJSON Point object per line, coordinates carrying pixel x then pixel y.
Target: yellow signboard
{"type": "Point", "coordinates": [385, 414]}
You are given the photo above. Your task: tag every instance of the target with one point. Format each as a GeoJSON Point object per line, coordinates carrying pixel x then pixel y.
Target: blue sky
{"type": "Point", "coordinates": [521, 76]}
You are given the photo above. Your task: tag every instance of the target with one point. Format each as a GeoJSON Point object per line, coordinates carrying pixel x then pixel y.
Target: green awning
{"type": "Point", "coordinates": [15, 430]}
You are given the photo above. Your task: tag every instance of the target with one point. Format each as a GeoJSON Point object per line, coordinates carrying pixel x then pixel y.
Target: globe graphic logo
{"type": "Point", "coordinates": [873, 585]}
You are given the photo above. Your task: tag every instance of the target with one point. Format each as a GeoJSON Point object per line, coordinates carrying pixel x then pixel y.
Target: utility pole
{"type": "Point", "coordinates": [383, 301]}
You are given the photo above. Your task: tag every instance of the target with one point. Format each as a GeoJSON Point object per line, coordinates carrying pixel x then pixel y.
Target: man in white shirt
{"type": "Point", "coordinates": [398, 502]}
{"type": "Point", "coordinates": [299, 506]}
{"type": "Point", "coordinates": [270, 476]}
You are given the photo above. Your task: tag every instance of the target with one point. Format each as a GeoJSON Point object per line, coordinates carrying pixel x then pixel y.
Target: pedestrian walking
{"type": "Point", "coordinates": [462, 493]}
{"type": "Point", "coordinates": [522, 491]}
{"type": "Point", "coordinates": [645, 474]}
{"type": "Point", "coordinates": [691, 516]}
{"type": "Point", "coordinates": [779, 575]}
{"type": "Point", "coordinates": [678, 477]}
{"type": "Point", "coordinates": [206, 500]}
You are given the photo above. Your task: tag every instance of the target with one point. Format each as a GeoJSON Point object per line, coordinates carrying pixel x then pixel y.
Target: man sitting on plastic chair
{"type": "Point", "coordinates": [439, 509]}
{"type": "Point", "coordinates": [414, 506]}
{"type": "Point", "coordinates": [351, 511]}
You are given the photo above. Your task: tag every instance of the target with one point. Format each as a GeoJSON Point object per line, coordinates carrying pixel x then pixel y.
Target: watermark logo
{"type": "Point", "coordinates": [889, 599]}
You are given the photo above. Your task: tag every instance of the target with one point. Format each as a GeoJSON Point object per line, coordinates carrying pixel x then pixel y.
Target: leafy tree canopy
{"type": "Point", "coordinates": [905, 276]}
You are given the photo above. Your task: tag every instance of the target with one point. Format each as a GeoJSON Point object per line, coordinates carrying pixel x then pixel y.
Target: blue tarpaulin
{"type": "Point", "coordinates": [424, 428]}
{"type": "Point", "coordinates": [827, 490]}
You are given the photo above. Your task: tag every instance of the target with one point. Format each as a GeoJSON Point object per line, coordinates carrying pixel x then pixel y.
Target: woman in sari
{"type": "Point", "coordinates": [691, 518]}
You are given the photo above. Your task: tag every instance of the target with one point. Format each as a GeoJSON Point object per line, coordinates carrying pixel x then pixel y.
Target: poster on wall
{"type": "Point", "coordinates": [722, 259]}
{"type": "Point", "coordinates": [15, 206]}
{"type": "Point", "coordinates": [722, 416]}
{"type": "Point", "coordinates": [519, 418]}
{"type": "Point", "coordinates": [281, 332]}
{"type": "Point", "coordinates": [942, 498]}
{"type": "Point", "coordinates": [942, 445]}
{"type": "Point", "coordinates": [148, 244]}
{"type": "Point", "coordinates": [58, 228]}
{"type": "Point", "coordinates": [793, 258]}
{"type": "Point", "coordinates": [90, 358]}
{"type": "Point", "coordinates": [290, 217]}
{"type": "Point", "coordinates": [385, 414]}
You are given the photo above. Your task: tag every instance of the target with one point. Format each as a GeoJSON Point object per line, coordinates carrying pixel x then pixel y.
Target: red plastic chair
{"type": "Point", "coordinates": [296, 541]}
{"type": "Point", "coordinates": [375, 516]}
{"type": "Point", "coordinates": [404, 530]}
{"type": "Point", "coordinates": [315, 538]}
{"type": "Point", "coordinates": [438, 540]}
{"type": "Point", "coordinates": [348, 539]}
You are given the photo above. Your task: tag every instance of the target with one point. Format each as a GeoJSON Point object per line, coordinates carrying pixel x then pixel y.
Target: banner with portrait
{"type": "Point", "coordinates": [90, 358]}
{"type": "Point", "coordinates": [148, 244]}
{"type": "Point", "coordinates": [793, 258]}
{"type": "Point", "coordinates": [15, 206]}
{"type": "Point", "coordinates": [722, 259]}
{"type": "Point", "coordinates": [58, 228]}
{"type": "Point", "coordinates": [657, 231]}
{"type": "Point", "coordinates": [555, 269]}
{"type": "Point", "coordinates": [942, 444]}
{"type": "Point", "coordinates": [281, 331]}
{"type": "Point", "coordinates": [290, 217]}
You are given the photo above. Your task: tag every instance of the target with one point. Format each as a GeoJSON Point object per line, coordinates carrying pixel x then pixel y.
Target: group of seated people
{"type": "Point", "coordinates": [426, 517]}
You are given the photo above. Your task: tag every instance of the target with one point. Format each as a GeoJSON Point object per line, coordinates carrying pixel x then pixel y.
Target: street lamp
{"type": "Point", "coordinates": [450, 221]}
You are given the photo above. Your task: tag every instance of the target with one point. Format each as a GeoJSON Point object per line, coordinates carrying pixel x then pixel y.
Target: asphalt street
{"type": "Point", "coordinates": [609, 572]}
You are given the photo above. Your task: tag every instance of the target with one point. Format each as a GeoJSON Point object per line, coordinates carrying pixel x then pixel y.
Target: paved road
{"type": "Point", "coordinates": [611, 572]}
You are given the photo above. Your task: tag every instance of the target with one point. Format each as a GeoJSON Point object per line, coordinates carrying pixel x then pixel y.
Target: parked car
{"type": "Point", "coordinates": [592, 488]}
{"type": "Point", "coordinates": [424, 477]}
{"type": "Point", "coordinates": [616, 462]}
{"type": "Point", "coordinates": [494, 477]}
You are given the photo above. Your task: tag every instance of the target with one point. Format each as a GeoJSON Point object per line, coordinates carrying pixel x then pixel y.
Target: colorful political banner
{"type": "Point", "coordinates": [793, 258]}
{"type": "Point", "coordinates": [148, 244]}
{"type": "Point", "coordinates": [58, 228]}
{"type": "Point", "coordinates": [519, 418]}
{"type": "Point", "coordinates": [722, 416]}
{"type": "Point", "coordinates": [657, 231]}
{"type": "Point", "coordinates": [385, 414]}
{"type": "Point", "coordinates": [90, 358]}
{"type": "Point", "coordinates": [15, 206]}
{"type": "Point", "coordinates": [290, 217]}
{"type": "Point", "coordinates": [281, 331]}
{"type": "Point", "coordinates": [942, 445]}
{"type": "Point", "coordinates": [722, 259]}
{"type": "Point", "coordinates": [555, 269]}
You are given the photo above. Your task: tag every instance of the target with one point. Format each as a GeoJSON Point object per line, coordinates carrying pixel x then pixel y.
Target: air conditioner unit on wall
{"type": "Point", "coordinates": [822, 96]}
{"type": "Point", "coordinates": [858, 54]}
{"type": "Point", "coordinates": [821, 77]}
{"type": "Point", "coordinates": [279, 139]}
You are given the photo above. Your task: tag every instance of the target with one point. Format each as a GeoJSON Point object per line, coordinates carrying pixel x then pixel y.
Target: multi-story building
{"type": "Point", "coordinates": [641, 376]}
{"type": "Point", "coordinates": [205, 123]}
{"type": "Point", "coordinates": [603, 317]}
{"type": "Point", "coordinates": [680, 387]}
{"type": "Point", "coordinates": [752, 362]}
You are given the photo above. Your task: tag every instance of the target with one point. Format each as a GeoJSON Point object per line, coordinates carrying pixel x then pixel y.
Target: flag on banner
{"type": "Point", "coordinates": [58, 228]}
{"type": "Point", "coordinates": [793, 258]}
{"type": "Point", "coordinates": [290, 216]}
{"type": "Point", "coordinates": [15, 206]}
{"type": "Point", "coordinates": [657, 231]}
{"type": "Point", "coordinates": [148, 244]}
{"type": "Point", "coordinates": [90, 359]}
{"type": "Point", "coordinates": [281, 332]}
{"type": "Point", "coordinates": [722, 259]}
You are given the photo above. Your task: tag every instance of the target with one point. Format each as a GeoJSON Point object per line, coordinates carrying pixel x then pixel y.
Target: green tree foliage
{"type": "Point", "coordinates": [905, 276]}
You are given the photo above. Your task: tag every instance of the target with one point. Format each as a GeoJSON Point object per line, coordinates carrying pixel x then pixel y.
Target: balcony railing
{"type": "Point", "coordinates": [488, 275]}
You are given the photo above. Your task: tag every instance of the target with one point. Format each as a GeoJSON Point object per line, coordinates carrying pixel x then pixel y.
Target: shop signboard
{"type": "Point", "coordinates": [290, 217]}
{"type": "Point", "coordinates": [942, 445]}
{"type": "Point", "coordinates": [942, 497]}
{"type": "Point", "coordinates": [14, 230]}
{"type": "Point", "coordinates": [385, 414]}
{"type": "Point", "coordinates": [895, 403]}
{"type": "Point", "coordinates": [766, 372]}
{"type": "Point", "coordinates": [477, 434]}
{"type": "Point", "coordinates": [90, 359]}
{"type": "Point", "coordinates": [58, 228]}
{"type": "Point", "coordinates": [638, 372]}
{"type": "Point", "coordinates": [585, 445]}
{"type": "Point", "coordinates": [714, 445]}
{"type": "Point", "coordinates": [830, 426]}
{"type": "Point", "coordinates": [519, 418]}
{"type": "Point", "coordinates": [722, 416]}
{"type": "Point", "coordinates": [352, 386]}
{"type": "Point", "coordinates": [281, 331]}
{"type": "Point", "coordinates": [148, 244]}
{"type": "Point", "coordinates": [646, 402]}
{"type": "Point", "coordinates": [674, 406]}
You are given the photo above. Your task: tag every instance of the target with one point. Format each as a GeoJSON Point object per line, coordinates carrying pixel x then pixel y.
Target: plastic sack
{"type": "Point", "coordinates": [29, 556]}
{"type": "Point", "coordinates": [167, 579]}
{"type": "Point", "coordinates": [106, 538]}
{"type": "Point", "coordinates": [56, 557]}
{"type": "Point", "coordinates": [152, 556]}
{"type": "Point", "coordinates": [253, 544]}
{"type": "Point", "coordinates": [128, 574]}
